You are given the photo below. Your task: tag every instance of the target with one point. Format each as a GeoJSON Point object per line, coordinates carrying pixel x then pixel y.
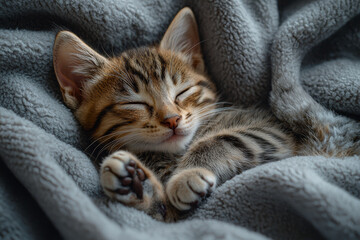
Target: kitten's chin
{"type": "Point", "coordinates": [173, 144]}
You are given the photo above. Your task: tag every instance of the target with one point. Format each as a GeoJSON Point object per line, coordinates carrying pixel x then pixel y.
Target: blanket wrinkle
{"type": "Point", "coordinates": [49, 187]}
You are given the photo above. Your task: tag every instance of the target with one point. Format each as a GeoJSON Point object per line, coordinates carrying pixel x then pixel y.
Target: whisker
{"type": "Point", "coordinates": [116, 134]}
{"type": "Point", "coordinates": [128, 138]}
{"type": "Point", "coordinates": [108, 136]}
{"type": "Point", "coordinates": [98, 139]}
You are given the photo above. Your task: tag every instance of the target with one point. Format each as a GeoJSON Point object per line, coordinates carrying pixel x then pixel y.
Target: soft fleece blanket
{"type": "Point", "coordinates": [49, 187]}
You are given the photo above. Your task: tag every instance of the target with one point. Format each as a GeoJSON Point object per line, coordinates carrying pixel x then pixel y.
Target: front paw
{"type": "Point", "coordinates": [187, 188]}
{"type": "Point", "coordinates": [126, 180]}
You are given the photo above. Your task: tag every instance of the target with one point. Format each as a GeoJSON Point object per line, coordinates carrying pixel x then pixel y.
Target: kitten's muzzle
{"type": "Point", "coordinates": [171, 122]}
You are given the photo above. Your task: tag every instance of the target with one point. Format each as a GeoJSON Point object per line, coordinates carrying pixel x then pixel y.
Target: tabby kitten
{"type": "Point", "coordinates": [158, 105]}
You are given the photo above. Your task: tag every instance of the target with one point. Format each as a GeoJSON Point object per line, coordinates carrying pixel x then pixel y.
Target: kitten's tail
{"type": "Point", "coordinates": [329, 133]}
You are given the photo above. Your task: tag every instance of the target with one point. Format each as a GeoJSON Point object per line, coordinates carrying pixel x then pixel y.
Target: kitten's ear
{"type": "Point", "coordinates": [183, 36]}
{"type": "Point", "coordinates": [74, 63]}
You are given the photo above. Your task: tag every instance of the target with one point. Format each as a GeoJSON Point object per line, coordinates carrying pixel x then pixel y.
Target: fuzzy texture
{"type": "Point", "coordinates": [302, 197]}
{"type": "Point", "coordinates": [157, 100]}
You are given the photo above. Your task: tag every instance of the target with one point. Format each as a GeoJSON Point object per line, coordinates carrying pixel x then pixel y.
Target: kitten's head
{"type": "Point", "coordinates": [147, 99]}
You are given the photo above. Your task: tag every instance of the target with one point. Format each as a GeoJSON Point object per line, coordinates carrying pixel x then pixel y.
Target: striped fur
{"type": "Point", "coordinates": [141, 88]}
{"type": "Point", "coordinates": [129, 102]}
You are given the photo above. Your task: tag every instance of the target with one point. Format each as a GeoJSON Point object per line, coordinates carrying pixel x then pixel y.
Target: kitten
{"type": "Point", "coordinates": [159, 107]}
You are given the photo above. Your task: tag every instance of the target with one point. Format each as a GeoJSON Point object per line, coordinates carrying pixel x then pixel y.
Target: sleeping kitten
{"type": "Point", "coordinates": [158, 105]}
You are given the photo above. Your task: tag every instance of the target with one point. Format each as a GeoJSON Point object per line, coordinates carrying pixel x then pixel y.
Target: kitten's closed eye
{"type": "Point", "coordinates": [186, 93]}
{"type": "Point", "coordinates": [182, 92]}
{"type": "Point", "coordinates": [137, 105]}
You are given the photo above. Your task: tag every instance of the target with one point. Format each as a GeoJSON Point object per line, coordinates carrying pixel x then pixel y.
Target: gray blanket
{"type": "Point", "coordinates": [49, 187]}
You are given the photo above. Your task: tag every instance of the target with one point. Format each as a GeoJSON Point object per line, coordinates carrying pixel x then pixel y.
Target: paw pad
{"type": "Point", "coordinates": [132, 182]}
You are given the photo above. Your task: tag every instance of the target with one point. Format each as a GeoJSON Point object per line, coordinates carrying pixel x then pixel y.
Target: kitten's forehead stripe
{"type": "Point", "coordinates": [129, 80]}
{"type": "Point", "coordinates": [163, 66]}
{"type": "Point", "coordinates": [182, 77]}
{"type": "Point", "coordinates": [135, 86]}
{"type": "Point", "coordinates": [155, 66]}
{"type": "Point", "coordinates": [132, 70]}
{"type": "Point", "coordinates": [174, 78]}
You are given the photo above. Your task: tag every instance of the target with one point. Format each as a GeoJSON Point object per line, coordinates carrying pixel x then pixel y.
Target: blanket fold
{"type": "Point", "coordinates": [49, 187]}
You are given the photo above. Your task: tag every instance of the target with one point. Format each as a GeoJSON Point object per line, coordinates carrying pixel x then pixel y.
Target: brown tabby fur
{"type": "Point", "coordinates": [128, 102]}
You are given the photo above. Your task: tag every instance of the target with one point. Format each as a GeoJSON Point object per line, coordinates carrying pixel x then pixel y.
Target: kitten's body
{"type": "Point", "coordinates": [158, 103]}
{"type": "Point", "coordinates": [241, 138]}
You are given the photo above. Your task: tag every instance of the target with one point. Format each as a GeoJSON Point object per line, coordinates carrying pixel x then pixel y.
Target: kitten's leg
{"type": "Point", "coordinates": [219, 156]}
{"type": "Point", "coordinates": [125, 179]}
{"type": "Point", "coordinates": [195, 177]}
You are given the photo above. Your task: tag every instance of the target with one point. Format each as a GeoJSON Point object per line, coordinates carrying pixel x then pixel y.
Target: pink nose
{"type": "Point", "coordinates": [172, 122]}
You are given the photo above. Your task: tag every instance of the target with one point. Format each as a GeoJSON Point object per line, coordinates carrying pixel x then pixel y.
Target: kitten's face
{"type": "Point", "coordinates": [147, 99]}
{"type": "Point", "coordinates": [154, 101]}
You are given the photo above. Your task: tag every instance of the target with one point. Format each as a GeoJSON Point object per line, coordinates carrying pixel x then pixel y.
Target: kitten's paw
{"type": "Point", "coordinates": [187, 188]}
{"type": "Point", "coordinates": [126, 180]}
